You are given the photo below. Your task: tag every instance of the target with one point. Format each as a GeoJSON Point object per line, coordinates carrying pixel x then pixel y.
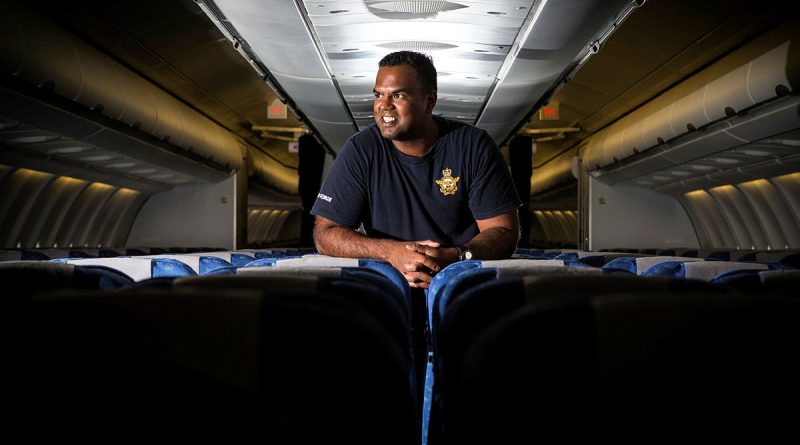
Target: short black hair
{"type": "Point", "coordinates": [423, 63]}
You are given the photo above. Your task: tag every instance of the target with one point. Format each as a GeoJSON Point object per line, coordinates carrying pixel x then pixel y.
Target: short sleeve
{"type": "Point", "coordinates": [343, 195]}
{"type": "Point", "coordinates": [492, 192]}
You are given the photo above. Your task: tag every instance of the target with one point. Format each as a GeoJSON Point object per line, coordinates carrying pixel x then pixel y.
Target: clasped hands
{"type": "Point", "coordinates": [419, 261]}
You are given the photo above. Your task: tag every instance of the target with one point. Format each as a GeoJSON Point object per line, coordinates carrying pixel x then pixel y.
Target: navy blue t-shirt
{"type": "Point", "coordinates": [437, 196]}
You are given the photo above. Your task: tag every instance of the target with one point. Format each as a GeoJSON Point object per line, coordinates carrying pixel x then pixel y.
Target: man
{"type": "Point", "coordinates": [427, 190]}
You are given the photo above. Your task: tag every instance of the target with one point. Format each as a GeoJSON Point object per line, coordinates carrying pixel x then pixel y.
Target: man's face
{"type": "Point", "coordinates": [400, 105]}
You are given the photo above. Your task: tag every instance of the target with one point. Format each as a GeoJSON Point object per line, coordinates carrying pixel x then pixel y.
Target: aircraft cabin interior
{"type": "Point", "coordinates": [159, 161]}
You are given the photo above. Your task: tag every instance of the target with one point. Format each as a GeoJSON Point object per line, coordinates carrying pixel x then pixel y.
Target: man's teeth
{"type": "Point", "coordinates": [388, 119]}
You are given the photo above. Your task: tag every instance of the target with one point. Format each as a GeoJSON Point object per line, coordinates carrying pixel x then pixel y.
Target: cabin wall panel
{"type": "Point", "coordinates": [773, 213]}
{"type": "Point", "coordinates": [109, 226]}
{"type": "Point", "coordinates": [290, 230]}
{"type": "Point", "coordinates": [721, 225]}
{"type": "Point", "coordinates": [73, 232]}
{"type": "Point", "coordinates": [266, 220]}
{"type": "Point", "coordinates": [88, 230]}
{"type": "Point", "coordinates": [789, 186]}
{"type": "Point", "coordinates": [727, 197]}
{"type": "Point", "coordinates": [50, 210]}
{"type": "Point", "coordinates": [192, 215]}
{"type": "Point", "coordinates": [622, 216]}
{"type": "Point", "coordinates": [543, 224]}
{"type": "Point", "coordinates": [275, 227]}
{"type": "Point", "coordinates": [46, 211]}
{"type": "Point", "coordinates": [760, 214]}
{"type": "Point", "coordinates": [19, 193]}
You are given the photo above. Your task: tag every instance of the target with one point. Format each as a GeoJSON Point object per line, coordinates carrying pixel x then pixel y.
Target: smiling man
{"type": "Point", "coordinates": [428, 191]}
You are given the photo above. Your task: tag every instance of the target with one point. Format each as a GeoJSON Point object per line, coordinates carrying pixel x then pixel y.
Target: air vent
{"type": "Point", "coordinates": [417, 45]}
{"type": "Point", "coordinates": [415, 7]}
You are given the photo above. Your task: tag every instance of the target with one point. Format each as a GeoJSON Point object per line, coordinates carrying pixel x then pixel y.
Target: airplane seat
{"type": "Point", "coordinates": [362, 272]}
{"type": "Point", "coordinates": [291, 364]}
{"type": "Point", "coordinates": [522, 252]}
{"type": "Point", "coordinates": [22, 255]}
{"type": "Point", "coordinates": [348, 264]}
{"type": "Point", "coordinates": [201, 264]}
{"type": "Point", "coordinates": [639, 264]}
{"type": "Point", "coordinates": [23, 279]}
{"type": "Point", "coordinates": [107, 253]}
{"type": "Point", "coordinates": [763, 282]}
{"type": "Point", "coordinates": [38, 255]}
{"type": "Point", "coordinates": [232, 258]}
{"type": "Point", "coordinates": [719, 255]}
{"type": "Point", "coordinates": [517, 365]}
{"type": "Point", "coordinates": [461, 276]}
{"type": "Point", "coordinates": [701, 270]}
{"type": "Point", "coordinates": [137, 268]}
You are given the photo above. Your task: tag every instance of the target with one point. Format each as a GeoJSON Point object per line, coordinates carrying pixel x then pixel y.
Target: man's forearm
{"type": "Point", "coordinates": [344, 242]}
{"type": "Point", "coordinates": [496, 243]}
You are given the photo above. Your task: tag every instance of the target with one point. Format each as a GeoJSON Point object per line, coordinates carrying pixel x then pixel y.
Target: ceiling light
{"type": "Point", "coordinates": [31, 140]}
{"type": "Point", "coordinates": [787, 142]}
{"type": "Point", "coordinates": [66, 150]}
{"type": "Point", "coordinates": [756, 152]}
{"type": "Point", "coordinates": [99, 158]}
{"type": "Point", "coordinates": [728, 161]}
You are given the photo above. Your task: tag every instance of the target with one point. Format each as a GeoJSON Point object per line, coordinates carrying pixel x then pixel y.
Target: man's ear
{"type": "Point", "coordinates": [431, 101]}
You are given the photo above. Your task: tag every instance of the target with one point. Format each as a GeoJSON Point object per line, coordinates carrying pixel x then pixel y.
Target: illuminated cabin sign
{"type": "Point", "coordinates": [549, 112]}
{"type": "Point", "coordinates": [276, 110]}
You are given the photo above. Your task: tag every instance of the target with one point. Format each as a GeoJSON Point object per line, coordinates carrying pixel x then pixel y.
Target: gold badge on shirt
{"type": "Point", "coordinates": [447, 185]}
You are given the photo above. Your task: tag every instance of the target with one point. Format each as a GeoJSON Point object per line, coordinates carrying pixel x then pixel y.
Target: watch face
{"type": "Point", "coordinates": [467, 255]}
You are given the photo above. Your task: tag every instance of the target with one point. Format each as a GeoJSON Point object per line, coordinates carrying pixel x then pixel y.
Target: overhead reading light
{"type": "Point", "coordinates": [121, 165]}
{"type": "Point", "coordinates": [99, 158]}
{"type": "Point", "coordinates": [755, 152]}
{"type": "Point", "coordinates": [728, 161]}
{"type": "Point", "coordinates": [66, 150]}
{"type": "Point", "coordinates": [31, 140]}
{"type": "Point", "coordinates": [786, 142]}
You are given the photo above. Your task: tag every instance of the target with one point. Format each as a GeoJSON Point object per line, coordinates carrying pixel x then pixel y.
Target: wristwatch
{"type": "Point", "coordinates": [463, 253]}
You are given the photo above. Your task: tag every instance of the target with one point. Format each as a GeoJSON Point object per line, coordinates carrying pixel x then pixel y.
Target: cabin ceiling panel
{"type": "Point", "coordinates": [565, 26]}
{"type": "Point", "coordinates": [468, 42]}
{"type": "Point", "coordinates": [279, 37]}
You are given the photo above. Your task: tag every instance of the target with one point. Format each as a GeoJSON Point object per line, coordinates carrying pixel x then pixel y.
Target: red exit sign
{"type": "Point", "coordinates": [276, 110]}
{"type": "Point", "coordinates": [549, 112]}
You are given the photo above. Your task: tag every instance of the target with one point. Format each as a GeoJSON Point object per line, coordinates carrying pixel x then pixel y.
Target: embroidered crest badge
{"type": "Point", "coordinates": [447, 185]}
